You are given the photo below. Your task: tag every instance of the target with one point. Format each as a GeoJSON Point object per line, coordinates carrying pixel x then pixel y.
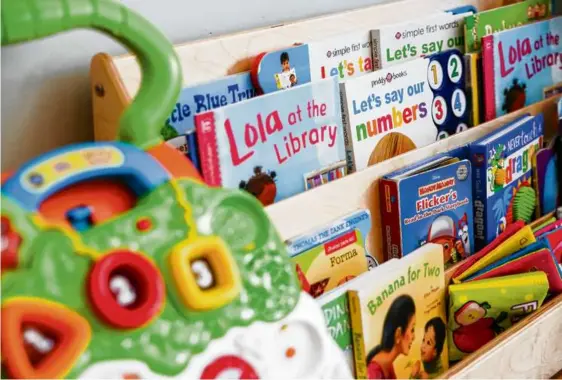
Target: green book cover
{"type": "Point", "coordinates": [481, 310]}
{"type": "Point", "coordinates": [485, 23]}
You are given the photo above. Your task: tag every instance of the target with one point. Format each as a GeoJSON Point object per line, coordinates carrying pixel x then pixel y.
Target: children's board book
{"type": "Point", "coordinates": [359, 221]}
{"type": "Point", "coordinates": [335, 305]}
{"type": "Point", "coordinates": [431, 204]}
{"type": "Point", "coordinates": [428, 35]}
{"type": "Point", "coordinates": [179, 129]}
{"type": "Point", "coordinates": [399, 323]}
{"type": "Point", "coordinates": [484, 23]}
{"type": "Point", "coordinates": [327, 266]}
{"type": "Point", "coordinates": [502, 165]}
{"type": "Point", "coordinates": [343, 56]}
{"type": "Point", "coordinates": [390, 112]}
{"type": "Point", "coordinates": [481, 310]}
{"type": "Point", "coordinates": [266, 144]}
{"type": "Point", "coordinates": [187, 144]}
{"type": "Point", "coordinates": [520, 64]}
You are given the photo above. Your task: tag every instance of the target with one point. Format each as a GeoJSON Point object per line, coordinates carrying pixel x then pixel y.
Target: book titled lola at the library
{"type": "Point", "coordinates": [266, 144]}
{"type": "Point", "coordinates": [521, 65]}
{"type": "Point", "coordinates": [398, 323]}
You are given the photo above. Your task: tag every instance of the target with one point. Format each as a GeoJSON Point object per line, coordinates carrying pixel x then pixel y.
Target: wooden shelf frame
{"type": "Point", "coordinates": [532, 348]}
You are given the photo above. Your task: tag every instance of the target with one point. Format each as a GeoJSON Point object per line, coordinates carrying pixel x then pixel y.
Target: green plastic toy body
{"type": "Point", "coordinates": [117, 262]}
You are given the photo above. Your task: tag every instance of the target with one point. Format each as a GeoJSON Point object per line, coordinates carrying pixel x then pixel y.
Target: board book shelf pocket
{"type": "Point", "coordinates": [529, 349]}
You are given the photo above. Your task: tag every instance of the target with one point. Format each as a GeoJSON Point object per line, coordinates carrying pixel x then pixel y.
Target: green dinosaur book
{"type": "Point", "coordinates": [481, 310]}
{"type": "Point", "coordinates": [482, 24]}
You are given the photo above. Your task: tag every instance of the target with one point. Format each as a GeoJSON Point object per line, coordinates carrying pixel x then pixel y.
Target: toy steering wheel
{"type": "Point", "coordinates": [161, 79]}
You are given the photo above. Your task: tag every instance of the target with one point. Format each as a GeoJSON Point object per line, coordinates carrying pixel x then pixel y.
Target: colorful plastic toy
{"type": "Point", "coordinates": [117, 262]}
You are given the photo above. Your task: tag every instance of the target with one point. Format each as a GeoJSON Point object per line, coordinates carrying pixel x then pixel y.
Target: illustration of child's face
{"type": "Point", "coordinates": [428, 351]}
{"type": "Point", "coordinates": [293, 79]}
{"type": "Point", "coordinates": [408, 337]}
{"type": "Point", "coordinates": [285, 65]}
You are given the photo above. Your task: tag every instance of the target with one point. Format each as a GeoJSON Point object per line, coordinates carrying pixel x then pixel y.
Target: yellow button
{"type": "Point", "coordinates": [218, 286]}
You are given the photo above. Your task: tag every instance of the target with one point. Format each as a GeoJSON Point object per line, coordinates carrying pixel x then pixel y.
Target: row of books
{"type": "Point", "coordinates": [402, 320]}
{"type": "Point", "coordinates": [394, 319]}
{"type": "Point", "coordinates": [366, 96]}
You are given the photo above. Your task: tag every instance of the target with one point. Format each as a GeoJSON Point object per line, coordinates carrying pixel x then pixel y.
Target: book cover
{"type": "Point", "coordinates": [206, 97]}
{"type": "Point", "coordinates": [408, 106]}
{"type": "Point", "coordinates": [516, 237]}
{"type": "Point", "coordinates": [399, 323]}
{"type": "Point", "coordinates": [266, 144]}
{"type": "Point", "coordinates": [430, 34]}
{"type": "Point", "coordinates": [542, 260]}
{"type": "Point", "coordinates": [432, 205]}
{"type": "Point", "coordinates": [359, 221]}
{"type": "Point", "coordinates": [329, 265]}
{"type": "Point", "coordinates": [481, 310]}
{"type": "Point", "coordinates": [519, 64]}
{"type": "Point", "coordinates": [503, 190]}
{"type": "Point", "coordinates": [484, 23]}
{"type": "Point", "coordinates": [335, 306]}
{"type": "Point", "coordinates": [342, 56]}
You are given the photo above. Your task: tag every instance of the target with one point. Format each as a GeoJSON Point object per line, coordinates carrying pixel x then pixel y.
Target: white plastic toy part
{"type": "Point", "coordinates": [297, 347]}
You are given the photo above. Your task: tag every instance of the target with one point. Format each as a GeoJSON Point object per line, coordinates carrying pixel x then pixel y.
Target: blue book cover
{"type": "Point", "coordinates": [179, 129]}
{"type": "Point", "coordinates": [502, 165]}
{"type": "Point", "coordinates": [431, 206]}
{"type": "Point", "coordinates": [359, 220]}
{"type": "Point", "coordinates": [267, 144]}
{"type": "Point", "coordinates": [521, 65]}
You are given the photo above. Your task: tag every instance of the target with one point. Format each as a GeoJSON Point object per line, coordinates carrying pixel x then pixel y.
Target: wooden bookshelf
{"type": "Point", "coordinates": [532, 348]}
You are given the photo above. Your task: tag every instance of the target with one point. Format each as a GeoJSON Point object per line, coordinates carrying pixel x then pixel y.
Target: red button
{"type": "Point", "coordinates": [11, 242]}
{"type": "Point", "coordinates": [144, 224]}
{"type": "Point", "coordinates": [126, 290]}
{"type": "Point", "coordinates": [229, 363]}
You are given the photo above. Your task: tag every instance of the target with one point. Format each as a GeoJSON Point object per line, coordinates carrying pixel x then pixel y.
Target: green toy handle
{"type": "Point", "coordinates": [140, 124]}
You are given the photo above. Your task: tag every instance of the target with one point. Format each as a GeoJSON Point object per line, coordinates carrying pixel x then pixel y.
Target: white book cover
{"type": "Point", "coordinates": [387, 113]}
{"type": "Point", "coordinates": [402, 42]}
{"type": "Point", "coordinates": [344, 56]}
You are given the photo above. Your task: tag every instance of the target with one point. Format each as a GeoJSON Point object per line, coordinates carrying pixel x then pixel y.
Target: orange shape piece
{"type": "Point", "coordinates": [70, 332]}
{"type": "Point", "coordinates": [175, 162]}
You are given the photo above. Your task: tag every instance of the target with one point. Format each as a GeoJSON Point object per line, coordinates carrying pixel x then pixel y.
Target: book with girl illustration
{"type": "Point", "coordinates": [266, 144]}
{"type": "Point", "coordinates": [399, 322]}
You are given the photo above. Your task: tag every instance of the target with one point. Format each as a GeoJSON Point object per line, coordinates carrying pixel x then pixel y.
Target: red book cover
{"type": "Point", "coordinates": [542, 260]}
{"type": "Point", "coordinates": [390, 219]}
{"type": "Point", "coordinates": [488, 74]}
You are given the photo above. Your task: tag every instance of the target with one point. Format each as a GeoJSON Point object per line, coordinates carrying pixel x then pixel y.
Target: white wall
{"type": "Point", "coordinates": [45, 86]}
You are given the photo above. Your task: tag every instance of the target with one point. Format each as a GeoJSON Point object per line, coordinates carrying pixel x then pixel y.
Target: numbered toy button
{"type": "Point", "coordinates": [439, 110]}
{"type": "Point", "coordinates": [455, 68]}
{"type": "Point", "coordinates": [435, 75]}
{"type": "Point", "coordinates": [458, 100]}
{"type": "Point", "coordinates": [11, 242]}
{"type": "Point", "coordinates": [462, 127]}
{"type": "Point", "coordinates": [442, 135]}
{"type": "Point", "coordinates": [126, 290]}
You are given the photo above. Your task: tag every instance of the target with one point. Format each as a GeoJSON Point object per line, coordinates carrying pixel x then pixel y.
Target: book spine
{"type": "Point", "coordinates": [357, 335]}
{"type": "Point", "coordinates": [472, 79]}
{"type": "Point", "coordinates": [348, 141]}
{"type": "Point", "coordinates": [479, 160]}
{"type": "Point", "coordinates": [376, 49]}
{"type": "Point", "coordinates": [390, 215]}
{"type": "Point", "coordinates": [208, 148]}
{"type": "Point", "coordinates": [488, 74]}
